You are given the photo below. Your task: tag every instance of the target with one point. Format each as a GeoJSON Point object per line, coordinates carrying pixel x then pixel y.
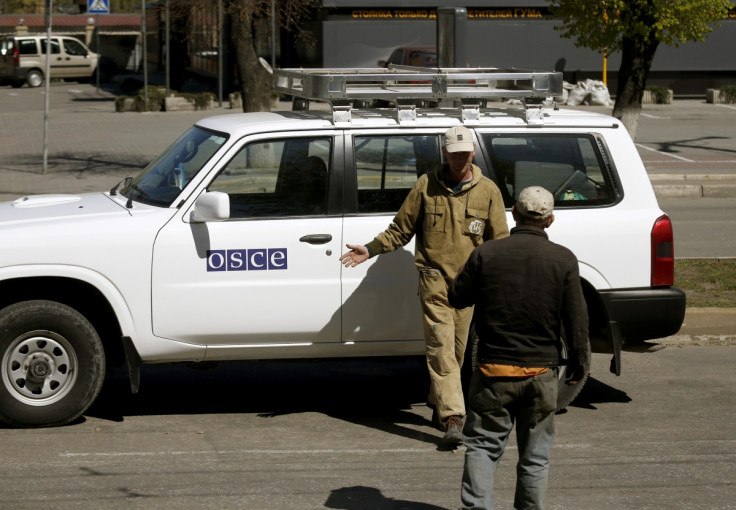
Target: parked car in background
{"type": "Point", "coordinates": [417, 56]}
{"type": "Point", "coordinates": [23, 59]}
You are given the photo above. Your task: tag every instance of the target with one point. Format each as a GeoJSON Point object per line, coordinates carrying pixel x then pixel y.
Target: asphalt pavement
{"type": "Point", "coordinates": [688, 148]}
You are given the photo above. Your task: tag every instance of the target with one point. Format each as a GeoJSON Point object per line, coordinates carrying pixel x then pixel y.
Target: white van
{"type": "Point", "coordinates": [23, 59]}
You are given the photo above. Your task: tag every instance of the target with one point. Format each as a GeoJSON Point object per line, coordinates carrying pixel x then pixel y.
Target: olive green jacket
{"type": "Point", "coordinates": [447, 225]}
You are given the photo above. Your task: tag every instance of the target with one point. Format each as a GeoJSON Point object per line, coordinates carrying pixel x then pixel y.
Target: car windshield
{"type": "Point", "coordinates": [162, 181]}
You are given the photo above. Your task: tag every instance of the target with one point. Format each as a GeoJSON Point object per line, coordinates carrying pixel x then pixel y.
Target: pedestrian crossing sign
{"type": "Point", "coordinates": [98, 6]}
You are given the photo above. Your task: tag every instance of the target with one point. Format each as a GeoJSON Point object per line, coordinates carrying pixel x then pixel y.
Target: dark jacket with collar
{"type": "Point", "coordinates": [525, 289]}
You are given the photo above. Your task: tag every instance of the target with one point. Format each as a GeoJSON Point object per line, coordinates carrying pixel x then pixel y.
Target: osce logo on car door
{"type": "Point", "coordinates": [257, 259]}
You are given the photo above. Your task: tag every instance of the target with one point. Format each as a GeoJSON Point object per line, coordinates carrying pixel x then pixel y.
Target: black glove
{"type": "Point", "coordinates": [576, 373]}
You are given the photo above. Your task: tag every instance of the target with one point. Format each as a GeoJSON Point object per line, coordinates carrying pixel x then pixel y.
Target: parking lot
{"type": "Point", "coordinates": [90, 147]}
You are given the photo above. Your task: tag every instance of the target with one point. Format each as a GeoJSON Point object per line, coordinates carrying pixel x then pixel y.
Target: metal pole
{"type": "Point", "coordinates": [168, 52]}
{"type": "Point", "coordinates": [144, 60]}
{"type": "Point", "coordinates": [97, 50]}
{"type": "Point", "coordinates": [48, 89]}
{"type": "Point", "coordinates": [273, 34]}
{"type": "Point", "coordinates": [220, 50]}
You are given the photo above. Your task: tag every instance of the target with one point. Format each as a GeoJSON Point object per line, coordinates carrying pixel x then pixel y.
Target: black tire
{"type": "Point", "coordinates": [566, 393]}
{"type": "Point", "coordinates": [16, 84]}
{"type": "Point", "coordinates": [52, 364]}
{"type": "Point", "coordinates": [34, 78]}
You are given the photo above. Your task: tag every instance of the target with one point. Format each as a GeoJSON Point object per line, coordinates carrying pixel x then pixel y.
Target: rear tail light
{"type": "Point", "coordinates": [663, 253]}
{"type": "Point", "coordinates": [16, 55]}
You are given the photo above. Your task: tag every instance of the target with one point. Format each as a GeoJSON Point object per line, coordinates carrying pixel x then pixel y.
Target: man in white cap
{"type": "Point", "coordinates": [526, 291]}
{"type": "Point", "coordinates": [450, 211]}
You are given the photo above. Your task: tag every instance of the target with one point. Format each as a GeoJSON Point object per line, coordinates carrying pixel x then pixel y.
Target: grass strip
{"type": "Point", "coordinates": [707, 282]}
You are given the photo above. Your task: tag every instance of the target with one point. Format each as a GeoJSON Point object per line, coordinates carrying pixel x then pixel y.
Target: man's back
{"type": "Point", "coordinates": [524, 287]}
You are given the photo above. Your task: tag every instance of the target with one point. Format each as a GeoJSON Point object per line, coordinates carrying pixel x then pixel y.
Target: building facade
{"type": "Point", "coordinates": [512, 33]}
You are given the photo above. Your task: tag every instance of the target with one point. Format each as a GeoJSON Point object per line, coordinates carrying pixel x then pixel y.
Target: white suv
{"type": "Point", "coordinates": [226, 247]}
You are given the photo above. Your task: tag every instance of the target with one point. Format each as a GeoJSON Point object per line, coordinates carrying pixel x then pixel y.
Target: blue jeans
{"type": "Point", "coordinates": [494, 404]}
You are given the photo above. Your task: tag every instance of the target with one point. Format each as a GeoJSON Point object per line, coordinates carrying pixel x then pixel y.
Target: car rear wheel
{"type": "Point", "coordinates": [52, 364]}
{"type": "Point", "coordinates": [34, 78]}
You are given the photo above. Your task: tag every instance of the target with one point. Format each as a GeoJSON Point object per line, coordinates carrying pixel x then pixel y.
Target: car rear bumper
{"type": "Point", "coordinates": [645, 314]}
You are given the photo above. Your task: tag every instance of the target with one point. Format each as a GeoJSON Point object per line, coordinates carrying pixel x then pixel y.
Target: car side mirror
{"type": "Point", "coordinates": [211, 206]}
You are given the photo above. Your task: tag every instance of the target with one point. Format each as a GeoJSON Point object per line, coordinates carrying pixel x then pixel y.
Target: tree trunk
{"type": "Point", "coordinates": [255, 81]}
{"type": "Point", "coordinates": [636, 60]}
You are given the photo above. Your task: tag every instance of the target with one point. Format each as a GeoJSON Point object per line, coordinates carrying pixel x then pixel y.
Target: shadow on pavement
{"type": "Point", "coordinates": [369, 392]}
{"type": "Point", "coordinates": [75, 163]}
{"type": "Point", "coordinates": [597, 392]}
{"type": "Point", "coordinates": [94, 100]}
{"type": "Point", "coordinates": [370, 498]}
{"type": "Point", "coordinates": [377, 393]}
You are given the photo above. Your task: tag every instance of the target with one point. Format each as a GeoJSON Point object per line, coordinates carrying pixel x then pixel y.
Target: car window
{"type": "Point", "coordinates": [420, 58]}
{"type": "Point", "coordinates": [388, 166]}
{"type": "Point", "coordinates": [54, 46]}
{"type": "Point", "coordinates": [164, 179]}
{"type": "Point", "coordinates": [73, 47]}
{"type": "Point", "coordinates": [276, 178]}
{"type": "Point", "coordinates": [572, 167]}
{"type": "Point", "coordinates": [397, 57]}
{"type": "Point", "coordinates": [27, 47]}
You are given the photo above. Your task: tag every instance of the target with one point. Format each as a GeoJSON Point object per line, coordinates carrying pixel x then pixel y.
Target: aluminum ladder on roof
{"type": "Point", "coordinates": [403, 85]}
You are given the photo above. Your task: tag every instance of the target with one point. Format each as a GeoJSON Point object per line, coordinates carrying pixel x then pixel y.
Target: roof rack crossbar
{"type": "Point", "coordinates": [406, 82]}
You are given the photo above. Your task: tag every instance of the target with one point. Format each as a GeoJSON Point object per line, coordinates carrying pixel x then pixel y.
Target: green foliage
{"type": "Point", "coordinates": [707, 282]}
{"type": "Point", "coordinates": [661, 94]}
{"type": "Point", "coordinates": [202, 100]}
{"type": "Point", "coordinates": [156, 96]}
{"type": "Point", "coordinates": [125, 6]}
{"type": "Point", "coordinates": [601, 24]}
{"type": "Point", "coordinates": [729, 93]}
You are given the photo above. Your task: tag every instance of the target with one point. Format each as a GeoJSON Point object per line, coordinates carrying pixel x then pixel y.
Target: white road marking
{"type": "Point", "coordinates": [664, 153]}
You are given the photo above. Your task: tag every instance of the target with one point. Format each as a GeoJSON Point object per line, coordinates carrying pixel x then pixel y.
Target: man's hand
{"type": "Point", "coordinates": [357, 255]}
{"type": "Point", "coordinates": [577, 375]}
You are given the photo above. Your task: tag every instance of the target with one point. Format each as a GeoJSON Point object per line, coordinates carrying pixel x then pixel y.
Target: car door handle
{"type": "Point", "coordinates": [316, 238]}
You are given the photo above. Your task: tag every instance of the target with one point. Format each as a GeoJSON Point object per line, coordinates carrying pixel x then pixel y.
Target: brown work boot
{"type": "Point", "coordinates": [454, 431]}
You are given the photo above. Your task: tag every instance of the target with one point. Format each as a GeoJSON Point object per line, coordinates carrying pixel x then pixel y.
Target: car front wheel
{"type": "Point", "coordinates": [52, 364]}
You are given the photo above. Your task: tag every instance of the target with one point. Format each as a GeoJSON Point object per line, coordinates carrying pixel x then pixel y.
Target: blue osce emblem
{"type": "Point", "coordinates": [256, 259]}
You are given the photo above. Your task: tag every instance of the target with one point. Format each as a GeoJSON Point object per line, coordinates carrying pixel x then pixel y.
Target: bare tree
{"type": "Point", "coordinates": [245, 16]}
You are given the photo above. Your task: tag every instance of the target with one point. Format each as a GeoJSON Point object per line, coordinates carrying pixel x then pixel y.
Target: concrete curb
{"type": "Point", "coordinates": [704, 326]}
{"type": "Point", "coordinates": [694, 185]}
{"type": "Point", "coordinates": [695, 190]}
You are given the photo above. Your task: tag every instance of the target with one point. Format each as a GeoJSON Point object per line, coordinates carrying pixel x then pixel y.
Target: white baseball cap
{"type": "Point", "coordinates": [459, 139]}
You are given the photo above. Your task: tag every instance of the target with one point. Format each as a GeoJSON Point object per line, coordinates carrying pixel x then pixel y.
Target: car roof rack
{"type": "Point", "coordinates": [405, 86]}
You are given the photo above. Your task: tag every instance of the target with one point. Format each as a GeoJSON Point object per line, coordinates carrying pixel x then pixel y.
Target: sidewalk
{"type": "Point", "coordinates": [710, 185]}
{"type": "Point", "coordinates": [704, 326]}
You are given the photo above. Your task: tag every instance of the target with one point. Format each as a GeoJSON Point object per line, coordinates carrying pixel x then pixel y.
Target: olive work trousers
{"type": "Point", "coordinates": [445, 336]}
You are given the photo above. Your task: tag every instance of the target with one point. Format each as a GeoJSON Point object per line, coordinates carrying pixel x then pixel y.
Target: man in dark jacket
{"type": "Point", "coordinates": [526, 291]}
